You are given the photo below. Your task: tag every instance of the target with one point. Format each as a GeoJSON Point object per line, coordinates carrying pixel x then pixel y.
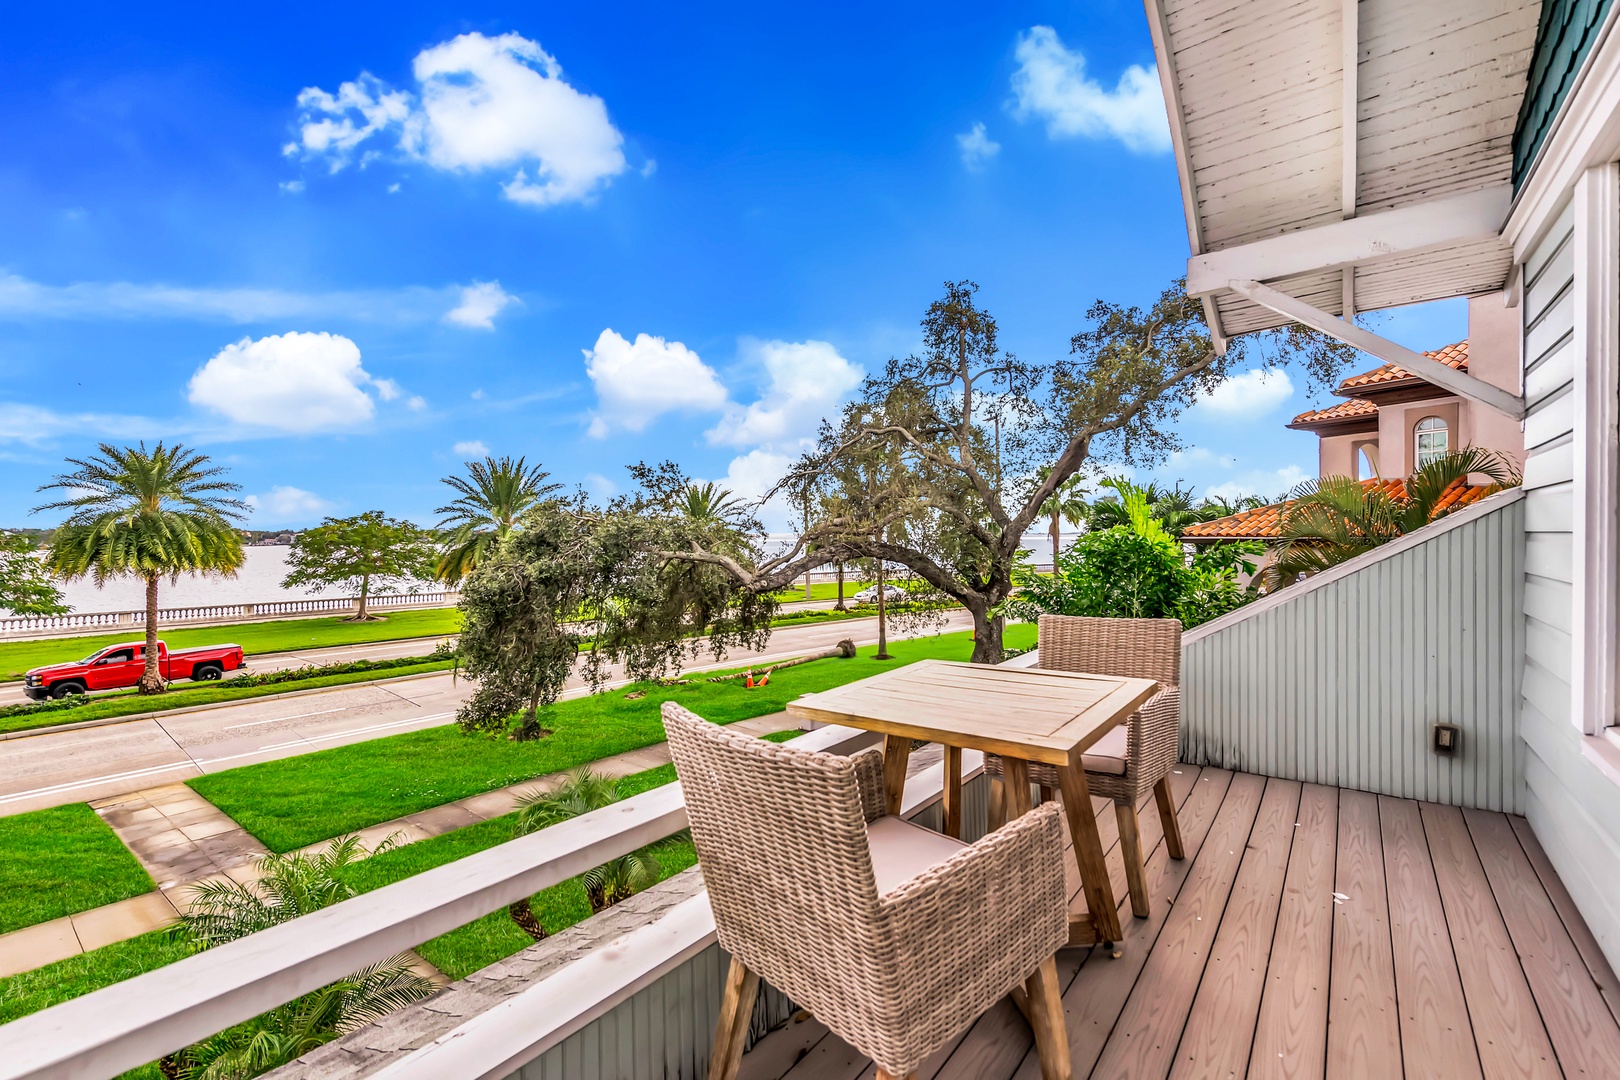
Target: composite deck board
{"type": "Point", "coordinates": [1454, 952]}
{"type": "Point", "coordinates": [1508, 1031]}
{"type": "Point", "coordinates": [1437, 1039]}
{"type": "Point", "coordinates": [1364, 1032]}
{"type": "Point", "coordinates": [1290, 1037]}
{"type": "Point", "coordinates": [1220, 1029]}
{"type": "Point", "coordinates": [1582, 1029]}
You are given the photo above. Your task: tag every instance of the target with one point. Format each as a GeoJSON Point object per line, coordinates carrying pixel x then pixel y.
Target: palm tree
{"type": "Point", "coordinates": [1336, 518]}
{"type": "Point", "coordinates": [151, 514]}
{"type": "Point", "coordinates": [1065, 504]}
{"type": "Point", "coordinates": [710, 503]}
{"type": "Point", "coordinates": [288, 886]}
{"type": "Point", "coordinates": [493, 496]}
{"type": "Point", "coordinates": [605, 885]}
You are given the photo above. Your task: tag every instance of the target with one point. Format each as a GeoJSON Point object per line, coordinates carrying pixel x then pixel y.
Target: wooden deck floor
{"type": "Point", "coordinates": [1310, 932]}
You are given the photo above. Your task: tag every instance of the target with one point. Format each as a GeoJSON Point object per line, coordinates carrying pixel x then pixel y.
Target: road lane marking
{"type": "Point", "coordinates": [294, 716]}
{"type": "Point", "coordinates": [56, 789]}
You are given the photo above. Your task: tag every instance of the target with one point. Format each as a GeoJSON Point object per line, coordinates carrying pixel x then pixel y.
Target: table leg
{"type": "Point", "coordinates": [953, 792]}
{"type": "Point", "coordinates": [1088, 852]}
{"type": "Point", "coordinates": [1016, 772]}
{"type": "Point", "coordinates": [896, 753]}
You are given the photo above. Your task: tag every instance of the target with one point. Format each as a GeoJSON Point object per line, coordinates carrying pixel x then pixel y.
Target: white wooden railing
{"type": "Point", "coordinates": [137, 1021]}
{"type": "Point", "coordinates": [24, 626]}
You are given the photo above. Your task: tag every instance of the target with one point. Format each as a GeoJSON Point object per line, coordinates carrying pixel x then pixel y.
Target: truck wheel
{"type": "Point", "coordinates": [206, 673]}
{"type": "Point", "coordinates": [63, 689]}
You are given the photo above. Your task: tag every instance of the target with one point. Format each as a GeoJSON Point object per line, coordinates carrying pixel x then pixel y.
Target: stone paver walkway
{"type": "Point", "coordinates": [182, 840]}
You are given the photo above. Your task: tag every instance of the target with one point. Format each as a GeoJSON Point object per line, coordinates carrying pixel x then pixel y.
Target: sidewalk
{"type": "Point", "coordinates": [182, 840]}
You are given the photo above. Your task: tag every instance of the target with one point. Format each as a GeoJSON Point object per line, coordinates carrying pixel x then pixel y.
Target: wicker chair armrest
{"type": "Point", "coordinates": [1155, 736]}
{"type": "Point", "coordinates": [988, 914]}
{"type": "Point", "coordinates": [869, 778]}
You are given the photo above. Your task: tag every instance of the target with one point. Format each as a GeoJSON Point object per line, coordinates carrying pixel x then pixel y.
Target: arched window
{"type": "Point", "coordinates": [1433, 440]}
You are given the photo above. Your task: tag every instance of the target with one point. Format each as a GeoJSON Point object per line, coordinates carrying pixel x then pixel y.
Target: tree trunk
{"type": "Point", "coordinates": [840, 605]}
{"type": "Point", "coordinates": [522, 913]}
{"type": "Point", "coordinates": [530, 728]}
{"type": "Point", "coordinates": [1056, 537]}
{"type": "Point", "coordinates": [883, 617]}
{"type": "Point", "coordinates": [365, 587]}
{"type": "Point", "coordinates": [151, 679]}
{"type": "Point", "coordinates": [987, 634]}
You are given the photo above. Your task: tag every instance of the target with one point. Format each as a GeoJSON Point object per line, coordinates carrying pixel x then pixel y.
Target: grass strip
{"type": "Point", "coordinates": [62, 861]}
{"type": "Point", "coordinates": [312, 797]}
{"type": "Point", "coordinates": [103, 708]}
{"type": "Point", "coordinates": [277, 635]}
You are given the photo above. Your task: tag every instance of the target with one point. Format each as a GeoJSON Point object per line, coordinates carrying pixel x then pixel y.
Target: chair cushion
{"type": "Point", "coordinates": [901, 850]}
{"type": "Point", "coordinates": [1107, 754]}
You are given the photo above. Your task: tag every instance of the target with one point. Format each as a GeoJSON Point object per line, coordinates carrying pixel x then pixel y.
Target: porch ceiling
{"type": "Point", "coordinates": [1272, 138]}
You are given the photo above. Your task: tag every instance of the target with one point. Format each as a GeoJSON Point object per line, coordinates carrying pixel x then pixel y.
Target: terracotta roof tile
{"type": "Point", "coordinates": [1453, 356]}
{"type": "Point", "coordinates": [1265, 523]}
{"type": "Point", "coordinates": [1344, 410]}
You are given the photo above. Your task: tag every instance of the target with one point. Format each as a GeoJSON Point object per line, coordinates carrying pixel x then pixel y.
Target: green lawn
{"type": "Point", "coordinates": [305, 799]}
{"type": "Point", "coordinates": [113, 705]}
{"type": "Point", "coordinates": [279, 635]}
{"type": "Point", "coordinates": [62, 861]}
{"type": "Point", "coordinates": [821, 590]}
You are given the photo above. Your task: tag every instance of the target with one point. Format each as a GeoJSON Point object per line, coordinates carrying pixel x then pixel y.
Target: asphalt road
{"type": "Point", "coordinates": [91, 763]}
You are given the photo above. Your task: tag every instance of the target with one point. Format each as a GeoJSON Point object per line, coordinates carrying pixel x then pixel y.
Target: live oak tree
{"type": "Point", "coordinates": [368, 554]}
{"type": "Point", "coordinates": [26, 587]}
{"type": "Point", "coordinates": [964, 429]}
{"type": "Point", "coordinates": [149, 514]}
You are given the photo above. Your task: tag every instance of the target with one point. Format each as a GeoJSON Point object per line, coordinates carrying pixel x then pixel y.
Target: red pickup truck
{"type": "Point", "coordinates": [119, 666]}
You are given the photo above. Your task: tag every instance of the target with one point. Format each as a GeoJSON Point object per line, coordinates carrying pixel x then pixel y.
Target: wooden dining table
{"type": "Point", "coordinates": [1022, 714]}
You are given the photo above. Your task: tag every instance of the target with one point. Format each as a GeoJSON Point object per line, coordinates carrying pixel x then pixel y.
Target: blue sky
{"type": "Point", "coordinates": [343, 248]}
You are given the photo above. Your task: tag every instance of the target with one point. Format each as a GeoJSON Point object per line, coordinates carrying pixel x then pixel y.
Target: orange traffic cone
{"type": "Point", "coordinates": [750, 683]}
{"type": "Point", "coordinates": [765, 679]}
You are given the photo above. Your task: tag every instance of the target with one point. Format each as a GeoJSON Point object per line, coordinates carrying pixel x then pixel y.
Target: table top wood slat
{"type": "Point", "coordinates": [1029, 713]}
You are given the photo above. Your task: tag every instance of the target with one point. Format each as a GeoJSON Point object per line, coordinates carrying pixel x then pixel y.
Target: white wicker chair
{"type": "Point", "coordinates": [894, 936]}
{"type": "Point", "coordinates": [1137, 756]}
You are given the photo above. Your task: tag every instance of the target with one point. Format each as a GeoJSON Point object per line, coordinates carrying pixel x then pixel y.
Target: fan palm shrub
{"type": "Point", "coordinates": [1336, 518]}
{"type": "Point", "coordinates": [150, 514]}
{"type": "Point", "coordinates": [581, 792]}
{"type": "Point", "coordinates": [288, 886]}
{"type": "Point", "coordinates": [492, 497]}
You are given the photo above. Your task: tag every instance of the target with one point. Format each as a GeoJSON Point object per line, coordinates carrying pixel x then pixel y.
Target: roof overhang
{"type": "Point", "coordinates": [1349, 155]}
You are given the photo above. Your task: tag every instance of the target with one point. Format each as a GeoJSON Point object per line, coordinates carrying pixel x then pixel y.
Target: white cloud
{"type": "Point", "coordinates": [283, 505]}
{"type": "Point", "coordinates": [807, 381]}
{"type": "Point", "coordinates": [23, 299]}
{"type": "Point", "coordinates": [1051, 84]}
{"type": "Point", "coordinates": [1248, 396]}
{"type": "Point", "coordinates": [482, 103]}
{"type": "Point", "coordinates": [1268, 485]}
{"type": "Point", "coordinates": [976, 147]}
{"type": "Point", "coordinates": [292, 187]}
{"type": "Point", "coordinates": [1199, 455]}
{"type": "Point", "coordinates": [33, 424]}
{"type": "Point", "coordinates": [600, 486]}
{"type": "Point", "coordinates": [471, 448]}
{"type": "Point", "coordinates": [480, 303]}
{"type": "Point", "coordinates": [416, 403]}
{"type": "Point", "coordinates": [640, 381]}
{"type": "Point", "coordinates": [296, 382]}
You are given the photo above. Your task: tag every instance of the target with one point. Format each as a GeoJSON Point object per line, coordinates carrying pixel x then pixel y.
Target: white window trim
{"type": "Point", "coordinates": [1597, 445]}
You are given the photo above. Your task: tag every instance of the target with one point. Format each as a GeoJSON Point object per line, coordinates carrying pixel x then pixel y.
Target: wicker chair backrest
{"type": "Point", "coordinates": [781, 837]}
{"type": "Point", "coordinates": [1129, 648]}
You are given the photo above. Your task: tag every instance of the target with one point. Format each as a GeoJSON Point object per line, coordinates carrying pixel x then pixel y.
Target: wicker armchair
{"type": "Point", "coordinates": [894, 936]}
{"type": "Point", "coordinates": [1137, 755]}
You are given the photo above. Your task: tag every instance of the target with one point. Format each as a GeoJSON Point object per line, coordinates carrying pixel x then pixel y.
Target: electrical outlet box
{"type": "Point", "coordinates": [1445, 739]}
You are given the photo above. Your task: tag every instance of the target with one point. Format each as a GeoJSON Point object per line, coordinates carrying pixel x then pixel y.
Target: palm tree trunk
{"type": "Point", "coordinates": [1055, 538]}
{"type": "Point", "coordinates": [522, 913]}
{"type": "Point", "coordinates": [840, 605]}
{"type": "Point", "coordinates": [151, 679]}
{"type": "Point", "coordinates": [883, 617]}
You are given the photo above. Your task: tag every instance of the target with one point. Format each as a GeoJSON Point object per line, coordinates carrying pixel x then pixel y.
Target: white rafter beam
{"type": "Point", "coordinates": [1452, 219]}
{"type": "Point", "coordinates": [1447, 378]}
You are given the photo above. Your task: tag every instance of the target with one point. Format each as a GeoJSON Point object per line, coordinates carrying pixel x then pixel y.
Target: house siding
{"type": "Point", "coordinates": [1573, 807]}
{"type": "Point", "coordinates": [1340, 682]}
{"type": "Point", "coordinates": [1564, 39]}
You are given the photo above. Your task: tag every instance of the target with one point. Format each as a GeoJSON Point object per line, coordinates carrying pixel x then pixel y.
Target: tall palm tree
{"type": "Point", "coordinates": [493, 495]}
{"type": "Point", "coordinates": [289, 886]}
{"type": "Point", "coordinates": [149, 514]}
{"type": "Point", "coordinates": [605, 885]}
{"type": "Point", "coordinates": [1065, 504]}
{"type": "Point", "coordinates": [1336, 518]}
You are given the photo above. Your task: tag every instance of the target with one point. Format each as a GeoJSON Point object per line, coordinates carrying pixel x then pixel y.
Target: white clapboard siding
{"type": "Point", "coordinates": [1338, 680]}
{"type": "Point", "coordinates": [1572, 804]}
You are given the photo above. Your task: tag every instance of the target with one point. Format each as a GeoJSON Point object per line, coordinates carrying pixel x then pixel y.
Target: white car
{"type": "Point", "coordinates": [893, 594]}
